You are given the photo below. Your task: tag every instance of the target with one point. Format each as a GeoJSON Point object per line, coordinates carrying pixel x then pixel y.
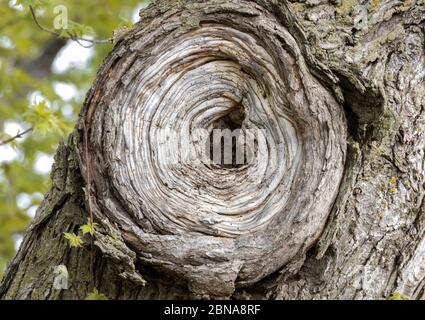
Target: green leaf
{"type": "Point", "coordinates": [96, 295]}
{"type": "Point", "coordinates": [397, 296]}
{"type": "Point", "coordinates": [73, 240]}
{"type": "Point", "coordinates": [78, 30]}
{"type": "Point", "coordinates": [89, 228]}
{"type": "Point", "coordinates": [5, 137]}
{"type": "Point", "coordinates": [44, 120]}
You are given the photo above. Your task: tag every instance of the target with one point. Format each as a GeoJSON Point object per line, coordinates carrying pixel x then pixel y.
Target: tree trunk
{"type": "Point", "coordinates": [328, 206]}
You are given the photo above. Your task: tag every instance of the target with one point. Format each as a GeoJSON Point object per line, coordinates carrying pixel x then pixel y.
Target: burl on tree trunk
{"type": "Point", "coordinates": [328, 206]}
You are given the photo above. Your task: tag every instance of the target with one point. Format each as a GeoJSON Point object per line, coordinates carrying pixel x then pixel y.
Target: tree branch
{"type": "Point", "coordinates": [18, 136]}
{"type": "Point", "coordinates": [41, 66]}
{"type": "Point", "coordinates": [71, 37]}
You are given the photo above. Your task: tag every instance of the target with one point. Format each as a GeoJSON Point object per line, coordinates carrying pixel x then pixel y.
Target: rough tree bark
{"type": "Point", "coordinates": [332, 207]}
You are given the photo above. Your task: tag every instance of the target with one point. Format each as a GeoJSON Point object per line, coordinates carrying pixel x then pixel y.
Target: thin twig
{"type": "Point", "coordinates": [70, 36]}
{"type": "Point", "coordinates": [18, 136]}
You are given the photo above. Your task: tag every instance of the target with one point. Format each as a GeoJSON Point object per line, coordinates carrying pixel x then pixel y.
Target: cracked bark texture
{"type": "Point", "coordinates": [349, 79]}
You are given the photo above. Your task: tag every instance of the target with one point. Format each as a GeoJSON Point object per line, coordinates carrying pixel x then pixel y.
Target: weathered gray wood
{"type": "Point", "coordinates": [332, 207]}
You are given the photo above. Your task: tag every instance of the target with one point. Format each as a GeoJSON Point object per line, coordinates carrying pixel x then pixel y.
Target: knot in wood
{"type": "Point", "coordinates": [152, 114]}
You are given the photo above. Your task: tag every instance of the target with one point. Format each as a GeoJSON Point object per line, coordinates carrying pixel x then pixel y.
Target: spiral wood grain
{"type": "Point", "coordinates": [180, 74]}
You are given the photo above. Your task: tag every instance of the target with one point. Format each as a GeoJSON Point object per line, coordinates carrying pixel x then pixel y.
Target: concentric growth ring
{"type": "Point", "coordinates": [166, 92]}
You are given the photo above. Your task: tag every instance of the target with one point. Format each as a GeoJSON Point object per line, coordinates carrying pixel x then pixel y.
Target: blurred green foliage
{"type": "Point", "coordinates": [31, 97]}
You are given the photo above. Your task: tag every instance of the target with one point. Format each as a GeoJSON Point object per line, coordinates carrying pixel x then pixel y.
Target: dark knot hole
{"type": "Point", "coordinates": [227, 142]}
